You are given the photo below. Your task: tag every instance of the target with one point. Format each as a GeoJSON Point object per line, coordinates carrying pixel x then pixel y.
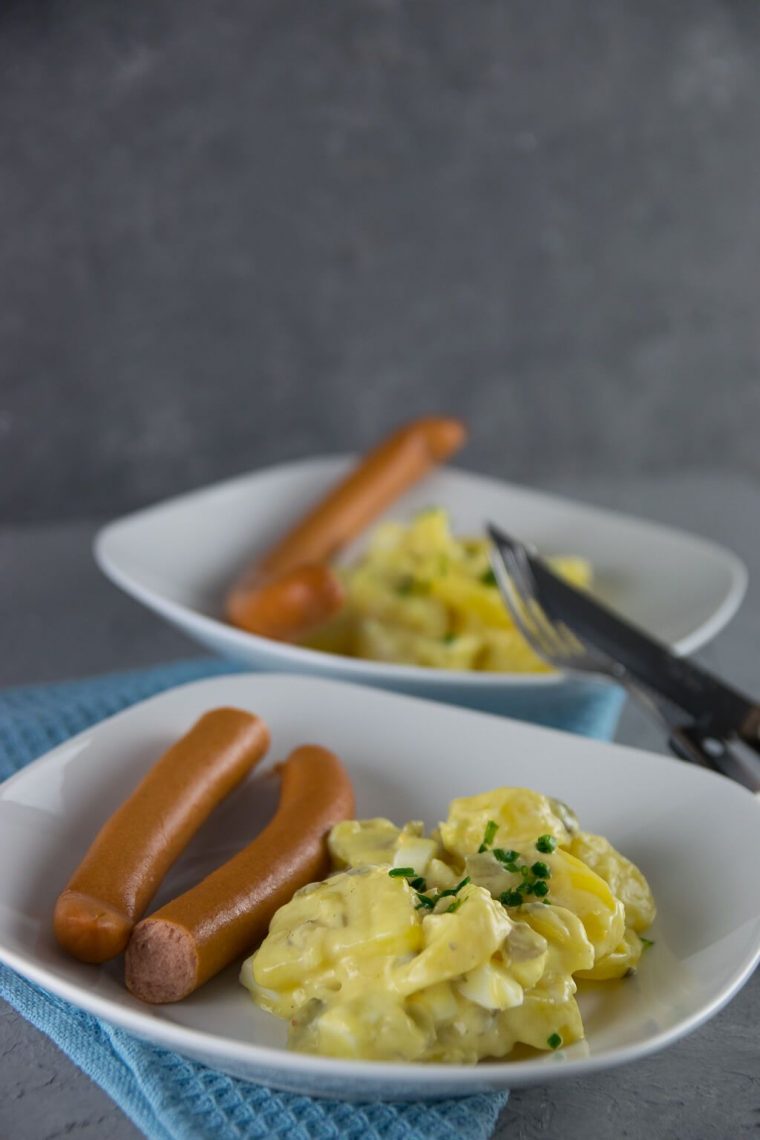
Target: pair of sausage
{"type": "Point", "coordinates": [292, 589]}
{"type": "Point", "coordinates": [186, 942]}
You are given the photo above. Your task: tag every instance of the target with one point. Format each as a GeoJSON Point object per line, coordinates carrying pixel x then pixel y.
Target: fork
{"type": "Point", "coordinates": [552, 641]}
{"type": "Point", "coordinates": [556, 644]}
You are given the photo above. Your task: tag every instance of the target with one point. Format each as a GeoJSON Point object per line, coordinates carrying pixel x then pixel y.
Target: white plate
{"type": "Point", "coordinates": [407, 760]}
{"type": "Point", "coordinates": [180, 556]}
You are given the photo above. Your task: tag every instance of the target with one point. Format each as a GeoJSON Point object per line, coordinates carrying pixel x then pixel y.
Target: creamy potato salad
{"type": "Point", "coordinates": [457, 945]}
{"type": "Point", "coordinates": [420, 596]}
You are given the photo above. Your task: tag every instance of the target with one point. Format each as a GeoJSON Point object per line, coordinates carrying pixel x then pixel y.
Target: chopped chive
{"type": "Point", "coordinates": [554, 1041]}
{"type": "Point", "coordinates": [546, 844]}
{"type": "Point", "coordinates": [510, 898]}
{"type": "Point", "coordinates": [405, 586]}
{"type": "Point", "coordinates": [448, 638]}
{"type": "Point", "coordinates": [418, 884]}
{"type": "Point", "coordinates": [425, 901]}
{"type": "Point", "coordinates": [488, 835]}
{"type": "Point", "coordinates": [540, 888]}
{"type": "Point", "coordinates": [455, 905]}
{"type": "Point", "coordinates": [505, 856]}
{"type": "Point", "coordinates": [402, 872]}
{"type": "Point", "coordinates": [455, 890]}
{"type": "Point", "coordinates": [488, 578]}
{"type": "Point", "coordinates": [647, 942]}
{"type": "Point", "coordinates": [541, 871]}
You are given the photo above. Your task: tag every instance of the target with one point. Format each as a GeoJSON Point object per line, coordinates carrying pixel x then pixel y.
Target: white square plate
{"type": "Point", "coordinates": [408, 759]}
{"type": "Point", "coordinates": [179, 557]}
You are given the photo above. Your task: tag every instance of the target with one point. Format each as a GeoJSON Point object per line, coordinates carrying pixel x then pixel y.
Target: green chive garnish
{"type": "Point", "coordinates": [402, 873]}
{"type": "Point", "coordinates": [454, 906]}
{"type": "Point", "coordinates": [510, 898]}
{"type": "Point", "coordinates": [455, 890]}
{"type": "Point", "coordinates": [546, 844]}
{"type": "Point", "coordinates": [541, 871]}
{"type": "Point", "coordinates": [554, 1041]}
{"type": "Point", "coordinates": [488, 578]}
{"type": "Point", "coordinates": [489, 835]}
{"type": "Point", "coordinates": [647, 942]}
{"type": "Point", "coordinates": [448, 638]}
{"type": "Point", "coordinates": [418, 884]}
{"type": "Point", "coordinates": [540, 888]}
{"type": "Point", "coordinates": [425, 901]}
{"type": "Point", "coordinates": [505, 856]}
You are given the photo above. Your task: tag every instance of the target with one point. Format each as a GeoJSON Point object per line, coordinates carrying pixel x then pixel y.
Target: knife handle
{"type": "Point", "coordinates": [711, 751]}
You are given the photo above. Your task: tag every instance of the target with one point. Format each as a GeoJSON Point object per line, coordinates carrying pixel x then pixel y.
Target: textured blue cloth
{"type": "Point", "coordinates": [165, 1095]}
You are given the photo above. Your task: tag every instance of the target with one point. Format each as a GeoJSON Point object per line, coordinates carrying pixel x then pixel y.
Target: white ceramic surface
{"type": "Point", "coordinates": [694, 834]}
{"type": "Point", "coordinates": [179, 556]}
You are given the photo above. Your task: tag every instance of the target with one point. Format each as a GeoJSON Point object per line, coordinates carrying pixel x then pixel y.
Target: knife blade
{"type": "Point", "coordinates": [711, 702]}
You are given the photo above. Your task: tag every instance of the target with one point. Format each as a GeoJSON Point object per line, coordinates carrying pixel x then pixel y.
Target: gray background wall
{"type": "Point", "coordinates": [231, 233]}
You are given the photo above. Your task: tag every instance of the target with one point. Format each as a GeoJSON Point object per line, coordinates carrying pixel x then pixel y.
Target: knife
{"type": "Point", "coordinates": [714, 711]}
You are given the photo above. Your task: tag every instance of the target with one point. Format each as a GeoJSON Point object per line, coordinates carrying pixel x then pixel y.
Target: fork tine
{"type": "Point", "coordinates": [509, 574]}
{"type": "Point", "coordinates": [552, 640]}
{"type": "Point", "coordinates": [529, 633]}
{"type": "Point", "coordinates": [519, 572]}
{"type": "Point", "coordinates": [525, 586]}
{"type": "Point", "coordinates": [564, 641]}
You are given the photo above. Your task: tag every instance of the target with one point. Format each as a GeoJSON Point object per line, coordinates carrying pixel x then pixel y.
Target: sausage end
{"type": "Point", "coordinates": [291, 606]}
{"type": "Point", "coordinates": [89, 929]}
{"type": "Point", "coordinates": [443, 436]}
{"type": "Point", "coordinates": [161, 963]}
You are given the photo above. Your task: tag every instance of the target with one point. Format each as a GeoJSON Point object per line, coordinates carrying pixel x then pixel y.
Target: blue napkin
{"type": "Point", "coordinates": [165, 1095]}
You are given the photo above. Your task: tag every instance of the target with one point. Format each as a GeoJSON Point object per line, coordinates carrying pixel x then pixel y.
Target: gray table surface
{"type": "Point", "coordinates": [60, 619]}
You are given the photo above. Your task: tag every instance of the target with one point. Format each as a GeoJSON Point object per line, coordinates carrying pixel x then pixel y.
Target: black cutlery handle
{"type": "Point", "coordinates": [710, 751]}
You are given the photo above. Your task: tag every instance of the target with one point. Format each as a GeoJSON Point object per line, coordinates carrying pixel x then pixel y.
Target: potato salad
{"type": "Point", "coordinates": [421, 596]}
{"type": "Point", "coordinates": [457, 945]}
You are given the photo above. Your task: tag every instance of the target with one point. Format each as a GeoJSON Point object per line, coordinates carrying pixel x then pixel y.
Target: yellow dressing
{"type": "Point", "coordinates": [360, 967]}
{"type": "Point", "coordinates": [624, 878]}
{"type": "Point", "coordinates": [420, 596]}
{"type": "Point", "coordinates": [520, 813]}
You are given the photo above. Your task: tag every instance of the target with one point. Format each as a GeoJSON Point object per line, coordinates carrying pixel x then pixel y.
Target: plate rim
{"type": "Point", "coordinates": [404, 1076]}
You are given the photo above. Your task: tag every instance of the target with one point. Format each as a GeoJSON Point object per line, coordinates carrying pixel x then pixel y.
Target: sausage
{"type": "Point", "coordinates": [371, 486]}
{"type": "Point", "coordinates": [376, 481]}
{"type": "Point", "coordinates": [291, 606]}
{"type": "Point", "coordinates": [186, 942]}
{"type": "Point", "coordinates": [114, 883]}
